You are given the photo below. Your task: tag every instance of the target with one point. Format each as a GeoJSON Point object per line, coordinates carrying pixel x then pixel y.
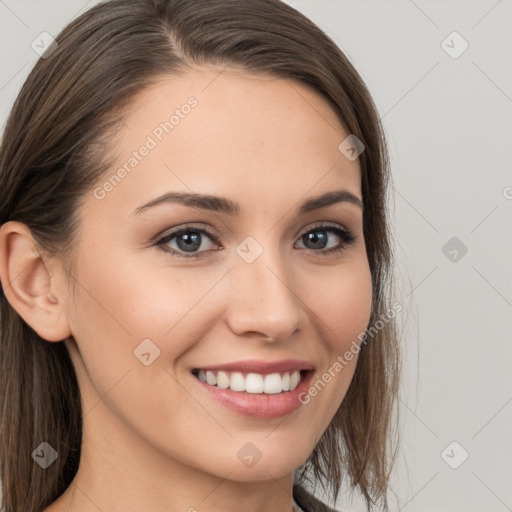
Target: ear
{"type": "Point", "coordinates": [28, 285]}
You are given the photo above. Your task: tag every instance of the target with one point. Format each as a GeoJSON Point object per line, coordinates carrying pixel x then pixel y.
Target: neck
{"type": "Point", "coordinates": [120, 472]}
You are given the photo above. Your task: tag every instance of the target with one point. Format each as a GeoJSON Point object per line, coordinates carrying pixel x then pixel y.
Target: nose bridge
{"type": "Point", "coordinates": [265, 299]}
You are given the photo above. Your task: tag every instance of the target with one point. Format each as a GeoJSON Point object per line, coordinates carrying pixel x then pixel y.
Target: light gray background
{"type": "Point", "coordinates": [448, 121]}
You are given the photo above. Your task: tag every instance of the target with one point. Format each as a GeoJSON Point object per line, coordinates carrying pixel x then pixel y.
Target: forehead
{"type": "Point", "coordinates": [226, 132]}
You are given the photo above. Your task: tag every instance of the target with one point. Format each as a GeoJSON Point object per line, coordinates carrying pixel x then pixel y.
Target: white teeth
{"type": "Point", "coordinates": [223, 380]}
{"type": "Point", "coordinates": [271, 384]}
{"type": "Point", "coordinates": [286, 382]}
{"type": "Point", "coordinates": [254, 383]}
{"type": "Point", "coordinates": [210, 378]}
{"type": "Point", "coordinates": [237, 382]}
{"type": "Point", "coordinates": [294, 379]}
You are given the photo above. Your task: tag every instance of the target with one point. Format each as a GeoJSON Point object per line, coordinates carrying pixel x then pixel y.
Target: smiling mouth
{"type": "Point", "coordinates": [254, 383]}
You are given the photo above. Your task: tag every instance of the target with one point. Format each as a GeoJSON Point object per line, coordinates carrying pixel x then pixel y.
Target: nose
{"type": "Point", "coordinates": [263, 299]}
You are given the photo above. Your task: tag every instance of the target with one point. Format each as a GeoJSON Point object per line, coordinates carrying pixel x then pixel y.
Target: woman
{"type": "Point", "coordinates": [194, 249]}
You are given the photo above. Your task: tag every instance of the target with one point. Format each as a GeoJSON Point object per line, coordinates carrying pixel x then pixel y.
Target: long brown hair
{"type": "Point", "coordinates": [55, 148]}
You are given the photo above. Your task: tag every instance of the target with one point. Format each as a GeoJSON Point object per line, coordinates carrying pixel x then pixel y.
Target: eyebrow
{"type": "Point", "coordinates": [223, 205]}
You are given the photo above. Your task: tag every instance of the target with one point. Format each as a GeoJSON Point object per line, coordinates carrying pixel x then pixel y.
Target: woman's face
{"type": "Point", "coordinates": [258, 286]}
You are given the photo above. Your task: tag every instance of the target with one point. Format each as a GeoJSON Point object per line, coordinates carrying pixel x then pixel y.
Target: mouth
{"type": "Point", "coordinates": [257, 389]}
{"type": "Point", "coordinates": [252, 383]}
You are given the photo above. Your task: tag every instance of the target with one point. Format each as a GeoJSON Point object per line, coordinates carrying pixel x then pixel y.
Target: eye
{"type": "Point", "coordinates": [317, 239]}
{"type": "Point", "coordinates": [189, 240]}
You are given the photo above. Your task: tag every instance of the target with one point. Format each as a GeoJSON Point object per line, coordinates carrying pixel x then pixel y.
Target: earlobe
{"type": "Point", "coordinates": [28, 285]}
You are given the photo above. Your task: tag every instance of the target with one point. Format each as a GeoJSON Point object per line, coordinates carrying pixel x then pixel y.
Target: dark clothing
{"type": "Point", "coordinates": [308, 502]}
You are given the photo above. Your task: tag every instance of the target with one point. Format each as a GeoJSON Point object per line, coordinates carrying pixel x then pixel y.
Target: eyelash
{"type": "Point", "coordinates": [345, 235]}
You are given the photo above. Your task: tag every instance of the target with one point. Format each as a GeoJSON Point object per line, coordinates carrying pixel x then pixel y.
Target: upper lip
{"type": "Point", "coordinates": [260, 366]}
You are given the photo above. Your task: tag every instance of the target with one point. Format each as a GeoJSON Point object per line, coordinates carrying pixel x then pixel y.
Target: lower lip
{"type": "Point", "coordinates": [259, 405]}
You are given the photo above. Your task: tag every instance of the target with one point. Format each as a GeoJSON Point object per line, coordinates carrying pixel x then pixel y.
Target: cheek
{"type": "Point", "coordinates": [122, 315]}
{"type": "Point", "coordinates": [124, 301]}
{"type": "Point", "coordinates": [344, 304]}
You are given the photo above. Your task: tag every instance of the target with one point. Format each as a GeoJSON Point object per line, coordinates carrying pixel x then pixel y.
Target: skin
{"type": "Point", "coordinates": [153, 439]}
